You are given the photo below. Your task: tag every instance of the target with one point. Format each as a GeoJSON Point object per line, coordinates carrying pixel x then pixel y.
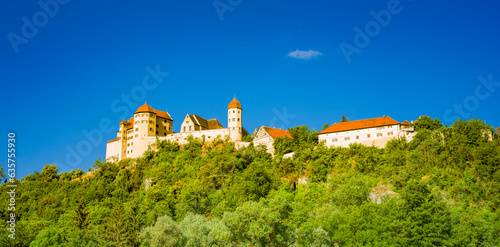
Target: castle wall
{"type": "Point", "coordinates": [114, 149]}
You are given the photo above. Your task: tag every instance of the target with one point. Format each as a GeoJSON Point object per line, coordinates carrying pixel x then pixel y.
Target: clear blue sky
{"type": "Point", "coordinates": [66, 77]}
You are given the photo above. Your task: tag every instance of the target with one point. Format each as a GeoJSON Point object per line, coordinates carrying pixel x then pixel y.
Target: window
{"type": "Point", "coordinates": [151, 122]}
{"type": "Point", "coordinates": [347, 138]}
{"type": "Point", "coordinates": [150, 129]}
{"type": "Point", "coordinates": [189, 128]}
{"type": "Point", "coordinates": [229, 120]}
{"type": "Point", "coordinates": [368, 136]}
{"type": "Point", "coordinates": [233, 111]}
{"type": "Point", "coordinates": [357, 137]}
{"type": "Point", "coordinates": [334, 140]}
{"type": "Point", "coordinates": [136, 135]}
{"type": "Point", "coordinates": [379, 134]}
{"type": "Point", "coordinates": [136, 129]}
{"type": "Point", "coordinates": [128, 145]}
{"type": "Point", "coordinates": [131, 150]}
{"type": "Point", "coordinates": [389, 133]}
{"type": "Point", "coordinates": [184, 128]}
{"type": "Point", "coordinates": [238, 112]}
{"type": "Point", "coordinates": [165, 127]}
{"type": "Point", "coordinates": [233, 128]}
{"type": "Point", "coordinates": [233, 119]}
{"type": "Point", "coordinates": [165, 134]}
{"type": "Point", "coordinates": [238, 119]}
{"type": "Point", "coordinates": [157, 126]}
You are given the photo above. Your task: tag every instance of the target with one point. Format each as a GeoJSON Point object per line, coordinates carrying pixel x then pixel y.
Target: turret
{"type": "Point", "coordinates": [234, 120]}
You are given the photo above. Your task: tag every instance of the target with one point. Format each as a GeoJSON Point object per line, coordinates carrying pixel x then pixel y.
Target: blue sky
{"type": "Point", "coordinates": [67, 69]}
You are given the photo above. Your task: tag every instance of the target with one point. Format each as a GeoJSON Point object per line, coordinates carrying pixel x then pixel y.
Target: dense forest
{"type": "Point", "coordinates": [440, 189]}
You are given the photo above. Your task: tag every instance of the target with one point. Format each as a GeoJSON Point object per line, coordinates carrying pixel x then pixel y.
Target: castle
{"type": "Point", "coordinates": [147, 125]}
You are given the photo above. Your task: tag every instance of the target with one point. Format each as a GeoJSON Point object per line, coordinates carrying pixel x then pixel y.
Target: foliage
{"type": "Point", "coordinates": [442, 188]}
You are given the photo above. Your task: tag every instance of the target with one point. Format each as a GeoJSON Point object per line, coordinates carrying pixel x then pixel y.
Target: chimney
{"type": "Point", "coordinates": [384, 115]}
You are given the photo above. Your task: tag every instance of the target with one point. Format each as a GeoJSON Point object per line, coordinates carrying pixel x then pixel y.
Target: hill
{"type": "Point", "coordinates": [440, 189]}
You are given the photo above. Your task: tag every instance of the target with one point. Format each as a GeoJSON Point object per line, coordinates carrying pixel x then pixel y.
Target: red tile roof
{"type": "Point", "coordinates": [405, 123]}
{"type": "Point", "coordinates": [275, 133]}
{"type": "Point", "coordinates": [114, 140]}
{"type": "Point", "coordinates": [130, 123]}
{"type": "Point", "coordinates": [360, 124]}
{"type": "Point", "coordinates": [144, 108]}
{"type": "Point", "coordinates": [234, 104]}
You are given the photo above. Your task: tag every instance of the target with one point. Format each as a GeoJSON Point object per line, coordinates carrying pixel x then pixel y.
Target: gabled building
{"type": "Point", "coordinates": [194, 122]}
{"type": "Point", "coordinates": [266, 136]}
{"type": "Point", "coordinates": [370, 132]}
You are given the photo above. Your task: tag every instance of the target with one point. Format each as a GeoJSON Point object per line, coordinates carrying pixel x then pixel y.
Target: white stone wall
{"type": "Point", "coordinates": [376, 136]}
{"type": "Point", "coordinates": [114, 149]}
{"type": "Point", "coordinates": [263, 138]}
{"type": "Point", "coordinates": [181, 138]}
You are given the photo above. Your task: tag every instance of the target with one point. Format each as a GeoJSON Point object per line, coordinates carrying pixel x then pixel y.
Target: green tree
{"type": "Point", "coordinates": [80, 216]}
{"type": "Point", "coordinates": [325, 126]}
{"type": "Point", "coordinates": [49, 237]}
{"type": "Point", "coordinates": [344, 119]}
{"type": "Point", "coordinates": [426, 220]}
{"type": "Point", "coordinates": [426, 122]}
{"type": "Point", "coordinates": [165, 232]}
{"type": "Point", "coordinates": [49, 173]}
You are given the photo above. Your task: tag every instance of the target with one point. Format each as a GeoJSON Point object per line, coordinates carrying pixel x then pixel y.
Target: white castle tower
{"type": "Point", "coordinates": [234, 120]}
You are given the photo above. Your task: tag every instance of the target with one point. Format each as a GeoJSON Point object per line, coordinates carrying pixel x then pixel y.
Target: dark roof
{"type": "Point", "coordinates": [214, 124]}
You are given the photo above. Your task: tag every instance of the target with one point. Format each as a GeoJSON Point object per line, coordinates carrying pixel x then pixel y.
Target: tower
{"type": "Point", "coordinates": [144, 126]}
{"type": "Point", "coordinates": [122, 136]}
{"type": "Point", "coordinates": [234, 120]}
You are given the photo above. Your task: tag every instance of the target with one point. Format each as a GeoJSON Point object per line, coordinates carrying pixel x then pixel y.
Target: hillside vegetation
{"type": "Point", "coordinates": [440, 189]}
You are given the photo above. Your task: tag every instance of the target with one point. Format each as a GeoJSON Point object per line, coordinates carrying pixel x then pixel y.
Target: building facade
{"type": "Point", "coordinates": [266, 136]}
{"type": "Point", "coordinates": [147, 125]}
{"type": "Point", "coordinates": [369, 132]}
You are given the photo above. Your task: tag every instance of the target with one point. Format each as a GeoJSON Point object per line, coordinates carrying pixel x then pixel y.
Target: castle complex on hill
{"type": "Point", "coordinates": [147, 125]}
{"type": "Point", "coordinates": [135, 135]}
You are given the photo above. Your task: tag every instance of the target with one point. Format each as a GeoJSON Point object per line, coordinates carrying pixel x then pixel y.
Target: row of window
{"type": "Point", "coordinates": [233, 112]}
{"type": "Point", "coordinates": [233, 120]}
{"type": "Point", "coordinates": [144, 115]}
{"type": "Point", "coordinates": [348, 138]}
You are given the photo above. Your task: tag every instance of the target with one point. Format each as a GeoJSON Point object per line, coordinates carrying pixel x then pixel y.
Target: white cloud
{"type": "Point", "coordinates": [306, 55]}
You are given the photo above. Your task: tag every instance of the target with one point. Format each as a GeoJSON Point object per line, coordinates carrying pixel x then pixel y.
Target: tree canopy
{"type": "Point", "coordinates": [442, 188]}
